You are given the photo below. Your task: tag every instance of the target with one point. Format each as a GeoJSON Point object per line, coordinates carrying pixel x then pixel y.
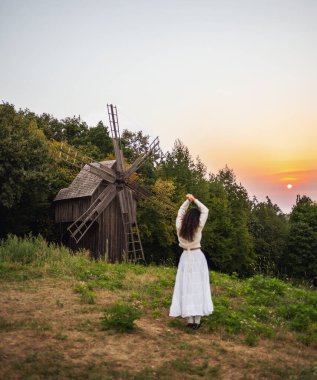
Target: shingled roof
{"type": "Point", "coordinates": [84, 185]}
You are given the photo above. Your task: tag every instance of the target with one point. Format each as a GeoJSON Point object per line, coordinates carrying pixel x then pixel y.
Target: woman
{"type": "Point", "coordinates": [192, 295]}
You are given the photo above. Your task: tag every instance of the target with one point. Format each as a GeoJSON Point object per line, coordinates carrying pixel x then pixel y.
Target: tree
{"type": "Point", "coordinates": [188, 176]}
{"type": "Point", "coordinates": [134, 144]}
{"type": "Point", "coordinates": [27, 173]}
{"type": "Point", "coordinates": [300, 259]}
{"type": "Point", "coordinates": [269, 228]}
{"type": "Point", "coordinates": [95, 142]}
{"type": "Point", "coordinates": [228, 240]}
{"type": "Point", "coordinates": [157, 225]}
{"type": "Point", "coordinates": [99, 137]}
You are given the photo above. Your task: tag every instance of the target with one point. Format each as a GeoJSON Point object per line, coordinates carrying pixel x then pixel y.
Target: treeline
{"type": "Point", "coordinates": [242, 235]}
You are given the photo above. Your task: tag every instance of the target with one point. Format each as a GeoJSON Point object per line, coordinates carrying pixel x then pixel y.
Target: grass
{"type": "Point", "coordinates": [260, 306]}
{"type": "Point", "coordinates": [84, 309]}
{"type": "Point", "coordinates": [86, 293]}
{"type": "Point", "coordinates": [23, 324]}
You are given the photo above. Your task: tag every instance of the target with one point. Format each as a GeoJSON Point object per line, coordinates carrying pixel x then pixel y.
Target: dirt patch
{"type": "Point", "coordinates": [49, 333]}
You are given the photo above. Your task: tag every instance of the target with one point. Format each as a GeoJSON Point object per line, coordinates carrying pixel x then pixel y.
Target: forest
{"type": "Point", "coordinates": [243, 236]}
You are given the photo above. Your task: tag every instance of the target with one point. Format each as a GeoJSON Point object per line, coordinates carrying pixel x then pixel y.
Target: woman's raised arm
{"type": "Point", "coordinates": [181, 212]}
{"type": "Point", "coordinates": [203, 212]}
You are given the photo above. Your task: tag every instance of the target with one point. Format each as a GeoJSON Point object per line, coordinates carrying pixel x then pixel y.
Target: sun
{"type": "Point", "coordinates": [289, 186]}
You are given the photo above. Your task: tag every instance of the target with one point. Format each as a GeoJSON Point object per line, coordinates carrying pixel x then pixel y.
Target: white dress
{"type": "Point", "coordinates": [192, 294]}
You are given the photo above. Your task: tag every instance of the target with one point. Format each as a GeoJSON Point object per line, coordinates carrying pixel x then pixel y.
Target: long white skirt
{"type": "Point", "coordinates": [192, 295]}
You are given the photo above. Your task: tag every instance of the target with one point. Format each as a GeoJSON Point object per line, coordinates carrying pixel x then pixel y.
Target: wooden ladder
{"type": "Point", "coordinates": [135, 251]}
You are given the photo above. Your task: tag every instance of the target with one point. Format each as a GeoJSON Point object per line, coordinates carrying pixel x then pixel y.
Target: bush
{"type": "Point", "coordinates": [120, 317]}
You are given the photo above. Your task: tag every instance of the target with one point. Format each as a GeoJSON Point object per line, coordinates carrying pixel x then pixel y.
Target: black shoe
{"type": "Point", "coordinates": [196, 326]}
{"type": "Point", "coordinates": [190, 325]}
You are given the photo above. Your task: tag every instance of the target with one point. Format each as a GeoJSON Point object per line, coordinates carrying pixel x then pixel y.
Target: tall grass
{"type": "Point", "coordinates": [37, 253]}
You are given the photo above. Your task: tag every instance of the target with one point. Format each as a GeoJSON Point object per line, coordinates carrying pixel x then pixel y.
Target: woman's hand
{"type": "Point", "coordinates": [190, 197]}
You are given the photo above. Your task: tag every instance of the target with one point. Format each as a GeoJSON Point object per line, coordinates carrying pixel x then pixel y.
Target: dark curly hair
{"type": "Point", "coordinates": [190, 224]}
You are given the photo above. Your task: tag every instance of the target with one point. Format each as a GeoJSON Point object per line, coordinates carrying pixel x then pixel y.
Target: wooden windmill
{"type": "Point", "coordinates": [98, 209]}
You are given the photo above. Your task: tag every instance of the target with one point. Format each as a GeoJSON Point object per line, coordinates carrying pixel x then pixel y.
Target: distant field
{"type": "Point", "coordinates": [66, 317]}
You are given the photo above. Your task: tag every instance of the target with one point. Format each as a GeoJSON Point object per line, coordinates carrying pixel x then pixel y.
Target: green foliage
{"type": "Point", "coordinates": [269, 228]}
{"type": "Point", "coordinates": [230, 320]}
{"type": "Point", "coordinates": [301, 258]}
{"type": "Point", "coordinates": [120, 317]}
{"type": "Point", "coordinates": [17, 250]}
{"type": "Point", "coordinates": [26, 250]}
{"type": "Point", "coordinates": [157, 227]}
{"type": "Point", "coordinates": [188, 176]}
{"type": "Point", "coordinates": [227, 238]}
{"type": "Point", "coordinates": [266, 284]}
{"type": "Point", "coordinates": [299, 315]}
{"type": "Point", "coordinates": [27, 174]}
{"type": "Point", "coordinates": [99, 137]}
{"type": "Point", "coordinates": [134, 144]}
{"type": "Point", "coordinates": [30, 176]}
{"type": "Point", "coordinates": [262, 306]}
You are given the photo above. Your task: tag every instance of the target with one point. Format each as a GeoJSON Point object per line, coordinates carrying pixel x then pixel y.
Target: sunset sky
{"type": "Point", "coordinates": [234, 80]}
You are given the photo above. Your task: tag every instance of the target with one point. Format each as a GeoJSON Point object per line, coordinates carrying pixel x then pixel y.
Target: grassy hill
{"type": "Point", "coordinates": [66, 317]}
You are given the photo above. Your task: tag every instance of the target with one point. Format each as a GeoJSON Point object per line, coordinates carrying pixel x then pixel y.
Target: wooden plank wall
{"type": "Point", "coordinates": [70, 209]}
{"type": "Point", "coordinates": [89, 241]}
{"type": "Point", "coordinates": [107, 233]}
{"type": "Point", "coordinates": [111, 228]}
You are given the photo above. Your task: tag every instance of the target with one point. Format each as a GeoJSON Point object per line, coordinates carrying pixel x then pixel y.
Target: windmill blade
{"type": "Point", "coordinates": [74, 157]}
{"type": "Point", "coordinates": [156, 199]}
{"type": "Point", "coordinates": [154, 148]}
{"type": "Point", "coordinates": [138, 189]}
{"type": "Point", "coordinates": [83, 223]}
{"type": "Point", "coordinates": [99, 170]}
{"type": "Point", "coordinates": [115, 133]}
